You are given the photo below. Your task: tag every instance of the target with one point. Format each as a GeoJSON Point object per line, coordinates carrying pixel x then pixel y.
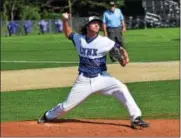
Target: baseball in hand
{"type": "Point", "coordinates": [65, 16]}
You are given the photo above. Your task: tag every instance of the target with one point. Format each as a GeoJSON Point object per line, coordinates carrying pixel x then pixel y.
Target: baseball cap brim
{"type": "Point", "coordinates": [93, 18]}
{"type": "Point", "coordinates": [96, 20]}
{"type": "Point", "coordinates": [112, 3]}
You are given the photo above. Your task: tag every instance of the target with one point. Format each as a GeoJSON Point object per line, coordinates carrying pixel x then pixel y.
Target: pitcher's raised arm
{"type": "Point", "coordinates": [66, 27]}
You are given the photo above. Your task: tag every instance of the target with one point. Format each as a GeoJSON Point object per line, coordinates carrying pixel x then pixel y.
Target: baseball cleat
{"type": "Point", "coordinates": [43, 119]}
{"type": "Point", "coordinates": [139, 123]}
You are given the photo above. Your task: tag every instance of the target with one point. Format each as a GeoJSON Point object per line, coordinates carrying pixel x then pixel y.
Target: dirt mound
{"type": "Point", "coordinates": [90, 128]}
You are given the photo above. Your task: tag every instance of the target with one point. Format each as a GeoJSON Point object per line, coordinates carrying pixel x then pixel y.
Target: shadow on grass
{"type": "Point", "coordinates": [178, 39]}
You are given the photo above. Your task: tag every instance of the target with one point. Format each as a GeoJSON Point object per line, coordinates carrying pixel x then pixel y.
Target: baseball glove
{"type": "Point", "coordinates": [120, 55]}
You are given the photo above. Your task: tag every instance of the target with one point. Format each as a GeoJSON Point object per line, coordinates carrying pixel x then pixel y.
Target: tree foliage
{"type": "Point", "coordinates": [9, 7]}
{"type": "Point", "coordinates": [34, 9]}
{"type": "Point", "coordinates": [89, 7]}
{"type": "Point", "coordinates": [29, 12]}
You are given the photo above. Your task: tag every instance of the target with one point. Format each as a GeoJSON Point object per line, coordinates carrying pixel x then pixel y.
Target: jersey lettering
{"type": "Point", "coordinates": [95, 52]}
{"type": "Point", "coordinates": [88, 51]}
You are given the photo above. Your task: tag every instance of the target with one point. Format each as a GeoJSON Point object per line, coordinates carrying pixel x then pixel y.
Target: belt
{"type": "Point", "coordinates": [113, 27]}
{"type": "Point", "coordinates": [90, 75]}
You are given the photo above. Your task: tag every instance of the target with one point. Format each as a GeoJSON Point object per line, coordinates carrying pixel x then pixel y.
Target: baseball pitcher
{"type": "Point", "coordinates": [92, 73]}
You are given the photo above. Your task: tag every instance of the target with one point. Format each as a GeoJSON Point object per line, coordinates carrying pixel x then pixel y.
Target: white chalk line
{"type": "Point", "coordinates": [67, 62]}
{"type": "Point", "coordinates": [39, 62]}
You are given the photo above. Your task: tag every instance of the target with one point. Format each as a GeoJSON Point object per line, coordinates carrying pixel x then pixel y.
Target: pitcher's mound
{"type": "Point", "coordinates": [90, 128]}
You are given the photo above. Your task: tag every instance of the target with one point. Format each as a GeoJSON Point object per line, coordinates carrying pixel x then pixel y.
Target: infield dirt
{"type": "Point", "coordinates": [65, 77]}
{"type": "Point", "coordinates": [90, 128]}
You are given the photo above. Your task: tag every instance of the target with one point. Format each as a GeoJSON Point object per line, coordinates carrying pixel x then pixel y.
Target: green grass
{"type": "Point", "coordinates": [159, 99]}
{"type": "Point", "coordinates": [142, 45]}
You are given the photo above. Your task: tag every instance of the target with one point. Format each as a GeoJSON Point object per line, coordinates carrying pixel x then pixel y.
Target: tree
{"type": "Point", "coordinates": [119, 3]}
{"type": "Point", "coordinates": [85, 8]}
{"type": "Point", "coordinates": [14, 9]}
{"type": "Point", "coordinates": [29, 12]}
{"type": "Point", "coordinates": [10, 6]}
{"type": "Point", "coordinates": [92, 7]}
{"type": "Point", "coordinates": [4, 14]}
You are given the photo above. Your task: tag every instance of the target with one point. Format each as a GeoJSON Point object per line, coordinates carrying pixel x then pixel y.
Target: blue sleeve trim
{"type": "Point", "coordinates": [117, 45]}
{"type": "Point", "coordinates": [71, 36]}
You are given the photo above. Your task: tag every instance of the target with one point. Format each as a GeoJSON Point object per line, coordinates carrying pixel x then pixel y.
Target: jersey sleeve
{"type": "Point", "coordinates": [121, 15]}
{"type": "Point", "coordinates": [109, 44]}
{"type": "Point", "coordinates": [117, 45]}
{"type": "Point", "coordinates": [74, 37]}
{"type": "Point", "coordinates": [104, 18]}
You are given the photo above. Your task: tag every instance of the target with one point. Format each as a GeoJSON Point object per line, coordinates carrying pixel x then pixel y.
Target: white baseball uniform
{"type": "Point", "coordinates": [93, 78]}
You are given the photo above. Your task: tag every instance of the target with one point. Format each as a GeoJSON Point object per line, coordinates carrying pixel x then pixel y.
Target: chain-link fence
{"type": "Point", "coordinates": [77, 23]}
{"type": "Point", "coordinates": [19, 28]}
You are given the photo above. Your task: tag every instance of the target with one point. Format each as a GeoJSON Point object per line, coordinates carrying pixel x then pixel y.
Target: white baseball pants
{"type": "Point", "coordinates": [105, 84]}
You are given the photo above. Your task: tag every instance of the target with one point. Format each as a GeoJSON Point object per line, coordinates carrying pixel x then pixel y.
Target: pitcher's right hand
{"type": "Point", "coordinates": [65, 16]}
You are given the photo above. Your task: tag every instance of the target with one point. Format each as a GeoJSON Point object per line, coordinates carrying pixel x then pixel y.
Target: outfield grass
{"type": "Point", "coordinates": [156, 100]}
{"type": "Point", "coordinates": [142, 45]}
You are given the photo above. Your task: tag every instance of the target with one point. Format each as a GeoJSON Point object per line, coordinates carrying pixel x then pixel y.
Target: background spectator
{"type": "Point", "coordinates": [27, 26]}
{"type": "Point", "coordinates": [58, 26]}
{"type": "Point", "coordinates": [43, 26]}
{"type": "Point", "coordinates": [12, 28]}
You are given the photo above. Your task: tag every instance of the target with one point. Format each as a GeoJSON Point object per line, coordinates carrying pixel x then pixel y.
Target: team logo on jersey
{"type": "Point", "coordinates": [88, 51]}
